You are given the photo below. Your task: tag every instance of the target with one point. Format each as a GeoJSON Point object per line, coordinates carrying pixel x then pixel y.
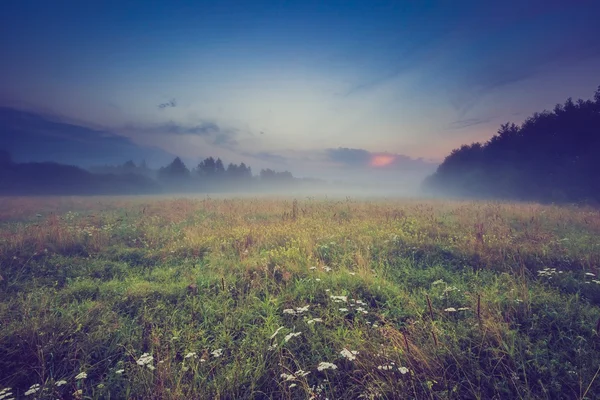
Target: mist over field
{"type": "Point", "coordinates": [299, 200]}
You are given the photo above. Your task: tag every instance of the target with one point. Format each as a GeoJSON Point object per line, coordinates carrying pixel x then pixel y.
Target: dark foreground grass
{"type": "Point", "coordinates": [267, 298]}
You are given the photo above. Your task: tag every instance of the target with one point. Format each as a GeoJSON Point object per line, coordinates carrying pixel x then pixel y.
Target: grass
{"type": "Point", "coordinates": [154, 298]}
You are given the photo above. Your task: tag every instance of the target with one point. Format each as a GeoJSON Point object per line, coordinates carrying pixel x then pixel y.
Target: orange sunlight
{"type": "Point", "coordinates": [381, 160]}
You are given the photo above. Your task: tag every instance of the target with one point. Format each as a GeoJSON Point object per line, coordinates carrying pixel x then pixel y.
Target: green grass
{"type": "Point", "coordinates": [94, 284]}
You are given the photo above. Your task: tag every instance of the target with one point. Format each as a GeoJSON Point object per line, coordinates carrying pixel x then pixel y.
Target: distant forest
{"type": "Point", "coordinates": [50, 178]}
{"type": "Point", "coordinates": [554, 156]}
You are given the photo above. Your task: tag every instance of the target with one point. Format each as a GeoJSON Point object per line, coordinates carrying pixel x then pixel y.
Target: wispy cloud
{"type": "Point", "coordinates": [465, 123]}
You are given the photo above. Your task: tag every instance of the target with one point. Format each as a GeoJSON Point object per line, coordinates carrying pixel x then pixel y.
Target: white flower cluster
{"type": "Point", "coordinates": [297, 311]}
{"type": "Point", "coordinates": [6, 394]}
{"type": "Point", "coordinates": [145, 360]}
{"type": "Point", "coordinates": [548, 272]}
{"type": "Point", "coordinates": [350, 355]}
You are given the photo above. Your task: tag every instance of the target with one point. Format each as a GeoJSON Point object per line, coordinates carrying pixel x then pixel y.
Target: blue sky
{"type": "Point", "coordinates": [315, 87]}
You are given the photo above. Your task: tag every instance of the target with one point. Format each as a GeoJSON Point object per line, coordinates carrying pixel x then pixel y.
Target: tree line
{"type": "Point", "coordinates": [553, 156]}
{"type": "Point", "coordinates": [131, 178]}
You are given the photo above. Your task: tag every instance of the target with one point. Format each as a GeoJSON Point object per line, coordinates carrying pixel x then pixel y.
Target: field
{"type": "Point", "coordinates": [146, 298]}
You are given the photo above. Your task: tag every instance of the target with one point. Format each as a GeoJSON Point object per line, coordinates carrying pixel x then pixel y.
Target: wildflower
{"type": "Point", "coordinates": [100, 386]}
{"type": "Point", "coordinates": [288, 377]}
{"type": "Point", "coordinates": [119, 371]}
{"type": "Point", "coordinates": [343, 309]}
{"type": "Point", "coordinates": [302, 373]}
{"type": "Point", "coordinates": [217, 353]}
{"type": "Point", "coordinates": [384, 367]}
{"type": "Point", "coordinates": [318, 279]}
{"type": "Point", "coordinates": [375, 326]}
{"type": "Point", "coordinates": [328, 290]}
{"type": "Point", "coordinates": [300, 310]}
{"type": "Point", "coordinates": [450, 309]}
{"type": "Point", "coordinates": [360, 309]}
{"type": "Point", "coordinates": [589, 274]}
{"type": "Point", "coordinates": [145, 359]}
{"type": "Point", "coordinates": [403, 370]}
{"type": "Point", "coordinates": [81, 375]}
{"type": "Point", "coordinates": [326, 365]}
{"type": "Point", "coordinates": [312, 268]}
{"type": "Point", "coordinates": [276, 332]}
{"type": "Point", "coordinates": [151, 367]}
{"type": "Point", "coordinates": [463, 309]}
{"type": "Point", "coordinates": [312, 321]}
{"type": "Point", "coordinates": [327, 269]}
{"type": "Point", "coordinates": [61, 382]}
{"type": "Point", "coordinates": [292, 335]}
{"type": "Point", "coordinates": [292, 385]}
{"type": "Point", "coordinates": [350, 355]}
{"type": "Point", "coordinates": [6, 394]}
{"type": "Point", "coordinates": [339, 299]}
{"type": "Point", "coordinates": [352, 273]}
{"type": "Point", "coordinates": [289, 311]}
{"type": "Point", "coordinates": [33, 389]}
{"type": "Point", "coordinates": [77, 394]}
{"type": "Point", "coordinates": [190, 355]}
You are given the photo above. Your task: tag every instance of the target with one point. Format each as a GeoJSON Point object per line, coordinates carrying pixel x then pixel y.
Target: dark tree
{"type": "Point", "coordinates": [175, 170]}
{"type": "Point", "coordinates": [552, 156]}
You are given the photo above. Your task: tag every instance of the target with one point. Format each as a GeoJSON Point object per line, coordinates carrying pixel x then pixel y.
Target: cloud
{"type": "Point", "coordinates": [465, 123]}
{"type": "Point", "coordinates": [212, 132]}
{"type": "Point", "coordinates": [267, 157]}
{"type": "Point", "coordinates": [31, 136]}
{"type": "Point", "coordinates": [361, 158]}
{"type": "Point", "coordinates": [169, 104]}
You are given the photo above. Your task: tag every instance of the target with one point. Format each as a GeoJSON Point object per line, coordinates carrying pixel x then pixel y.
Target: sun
{"type": "Point", "coordinates": [382, 160]}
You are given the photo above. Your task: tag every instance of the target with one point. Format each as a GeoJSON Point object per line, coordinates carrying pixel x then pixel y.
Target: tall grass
{"type": "Point", "coordinates": [297, 298]}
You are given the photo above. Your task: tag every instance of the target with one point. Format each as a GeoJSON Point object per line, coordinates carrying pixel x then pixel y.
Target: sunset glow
{"type": "Point", "coordinates": [382, 160]}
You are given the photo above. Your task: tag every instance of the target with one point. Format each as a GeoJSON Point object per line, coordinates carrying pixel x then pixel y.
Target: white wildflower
{"type": "Point", "coordinates": [33, 389]}
{"type": "Point", "coordinates": [191, 354]}
{"type": "Point", "coordinates": [326, 365]}
{"type": "Point", "coordinates": [352, 273]}
{"type": "Point", "coordinates": [327, 269]}
{"type": "Point", "coordinates": [312, 321]}
{"type": "Point", "coordinates": [119, 371]}
{"type": "Point", "coordinates": [292, 385]}
{"type": "Point", "coordinates": [318, 279]}
{"type": "Point", "coordinates": [289, 311]}
{"type": "Point", "coordinates": [276, 332]}
{"type": "Point", "coordinates": [217, 353]}
{"type": "Point", "coordinates": [81, 375]}
{"type": "Point", "coordinates": [589, 274]}
{"type": "Point", "coordinates": [350, 355]}
{"type": "Point", "coordinates": [288, 377]}
{"type": "Point", "coordinates": [385, 367]}
{"type": "Point", "coordinates": [450, 309]}
{"type": "Point", "coordinates": [463, 309]}
{"type": "Point", "coordinates": [339, 299]}
{"type": "Point", "coordinates": [403, 370]}
{"type": "Point", "coordinates": [312, 268]}
{"type": "Point", "coordinates": [302, 373]}
{"type": "Point", "coordinates": [61, 382]}
{"type": "Point", "coordinates": [291, 335]}
{"type": "Point", "coordinates": [144, 359]}
{"type": "Point", "coordinates": [300, 310]}
{"type": "Point", "coordinates": [151, 367]}
{"type": "Point", "coordinates": [343, 309]}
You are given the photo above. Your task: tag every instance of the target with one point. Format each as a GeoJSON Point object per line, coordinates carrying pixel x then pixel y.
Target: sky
{"type": "Point", "coordinates": [320, 88]}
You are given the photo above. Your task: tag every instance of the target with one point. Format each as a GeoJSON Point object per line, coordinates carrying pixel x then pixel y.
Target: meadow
{"type": "Point", "coordinates": [307, 298]}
